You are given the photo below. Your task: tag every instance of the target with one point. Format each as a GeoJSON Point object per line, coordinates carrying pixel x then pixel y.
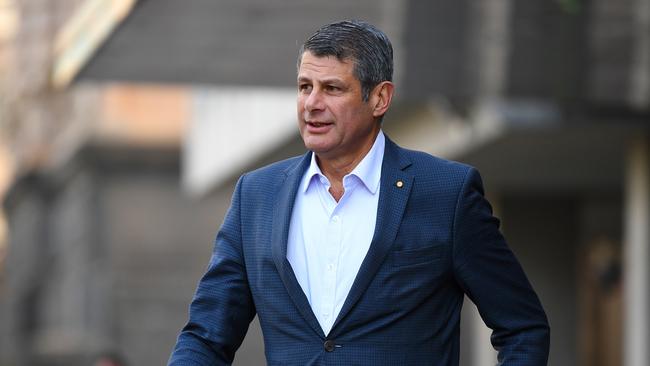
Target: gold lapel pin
{"type": "Point", "coordinates": [399, 184]}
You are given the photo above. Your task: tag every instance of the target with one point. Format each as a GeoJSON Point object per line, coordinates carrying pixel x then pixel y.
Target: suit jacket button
{"type": "Point", "coordinates": [329, 345]}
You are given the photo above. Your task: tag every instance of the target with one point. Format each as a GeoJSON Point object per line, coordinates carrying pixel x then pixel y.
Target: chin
{"type": "Point", "coordinates": [319, 150]}
{"type": "Point", "coordinates": [315, 145]}
{"type": "Point", "coordinates": [315, 148]}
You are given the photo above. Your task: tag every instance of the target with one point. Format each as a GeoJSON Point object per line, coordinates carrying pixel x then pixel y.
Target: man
{"type": "Point", "coordinates": [358, 252]}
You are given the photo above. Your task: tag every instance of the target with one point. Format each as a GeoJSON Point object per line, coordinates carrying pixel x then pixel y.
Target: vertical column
{"type": "Point", "coordinates": [640, 70]}
{"type": "Point", "coordinates": [393, 19]}
{"type": "Point", "coordinates": [637, 255]}
{"type": "Point", "coordinates": [490, 33]}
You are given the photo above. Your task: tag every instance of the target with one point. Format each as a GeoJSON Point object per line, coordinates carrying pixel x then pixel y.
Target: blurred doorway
{"type": "Point", "coordinates": [600, 304]}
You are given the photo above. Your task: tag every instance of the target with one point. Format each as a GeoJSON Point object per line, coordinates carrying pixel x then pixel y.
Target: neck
{"type": "Point", "coordinates": [335, 168]}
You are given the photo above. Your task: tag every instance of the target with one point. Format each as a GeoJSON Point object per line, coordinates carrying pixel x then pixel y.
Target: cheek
{"type": "Point", "coordinates": [354, 113]}
{"type": "Point", "coordinates": [300, 108]}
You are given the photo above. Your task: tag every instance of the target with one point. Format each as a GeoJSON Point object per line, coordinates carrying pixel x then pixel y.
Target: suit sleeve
{"type": "Point", "coordinates": [222, 307]}
{"type": "Point", "coordinates": [493, 279]}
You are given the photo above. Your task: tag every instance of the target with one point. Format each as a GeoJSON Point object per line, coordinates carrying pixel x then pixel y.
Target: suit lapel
{"type": "Point", "coordinates": [392, 202]}
{"type": "Point", "coordinates": [284, 200]}
{"type": "Point", "coordinates": [391, 205]}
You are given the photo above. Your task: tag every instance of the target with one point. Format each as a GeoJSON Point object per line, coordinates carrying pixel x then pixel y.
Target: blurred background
{"type": "Point", "coordinates": [124, 125]}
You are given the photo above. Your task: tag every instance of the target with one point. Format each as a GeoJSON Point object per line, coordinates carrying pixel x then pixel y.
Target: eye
{"type": "Point", "coordinates": [332, 88]}
{"type": "Point", "coordinates": [304, 88]}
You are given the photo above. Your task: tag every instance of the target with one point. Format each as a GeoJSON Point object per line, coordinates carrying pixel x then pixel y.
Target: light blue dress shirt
{"type": "Point", "coordinates": [328, 240]}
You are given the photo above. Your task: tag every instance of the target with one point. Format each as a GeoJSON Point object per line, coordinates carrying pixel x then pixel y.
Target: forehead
{"type": "Point", "coordinates": [312, 66]}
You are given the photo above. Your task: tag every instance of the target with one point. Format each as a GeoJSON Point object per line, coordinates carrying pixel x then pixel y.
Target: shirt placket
{"type": "Point", "coordinates": [331, 264]}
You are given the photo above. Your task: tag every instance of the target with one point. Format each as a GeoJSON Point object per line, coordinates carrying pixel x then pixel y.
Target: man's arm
{"type": "Point", "coordinates": [222, 307]}
{"type": "Point", "coordinates": [493, 279]}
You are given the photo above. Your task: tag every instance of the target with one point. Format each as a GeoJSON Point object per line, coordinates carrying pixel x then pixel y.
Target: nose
{"type": "Point", "coordinates": [314, 101]}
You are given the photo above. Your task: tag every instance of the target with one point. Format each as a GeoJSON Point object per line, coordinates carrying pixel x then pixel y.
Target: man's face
{"type": "Point", "coordinates": [333, 119]}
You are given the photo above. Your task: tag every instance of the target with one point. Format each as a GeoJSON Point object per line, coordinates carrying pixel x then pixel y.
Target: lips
{"type": "Point", "coordinates": [318, 124]}
{"type": "Point", "coordinates": [318, 127]}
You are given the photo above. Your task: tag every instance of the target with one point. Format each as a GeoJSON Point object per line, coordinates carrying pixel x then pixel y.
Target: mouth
{"type": "Point", "coordinates": [317, 127]}
{"type": "Point", "coordinates": [317, 124]}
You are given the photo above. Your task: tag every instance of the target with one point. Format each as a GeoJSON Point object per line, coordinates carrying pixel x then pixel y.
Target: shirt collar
{"type": "Point", "coordinates": [368, 170]}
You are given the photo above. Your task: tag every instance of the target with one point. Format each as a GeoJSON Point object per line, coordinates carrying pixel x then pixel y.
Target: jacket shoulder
{"type": "Point", "coordinates": [274, 171]}
{"type": "Point", "coordinates": [427, 164]}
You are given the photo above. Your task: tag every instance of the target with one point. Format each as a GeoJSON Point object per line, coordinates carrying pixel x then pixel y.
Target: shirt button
{"type": "Point", "coordinates": [329, 345]}
{"type": "Point", "coordinates": [330, 267]}
{"type": "Point", "coordinates": [335, 219]}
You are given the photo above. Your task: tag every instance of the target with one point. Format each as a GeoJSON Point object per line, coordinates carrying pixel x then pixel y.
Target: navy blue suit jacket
{"type": "Point", "coordinates": [435, 240]}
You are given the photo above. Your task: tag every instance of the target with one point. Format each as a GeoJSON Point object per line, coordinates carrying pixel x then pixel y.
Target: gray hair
{"type": "Point", "coordinates": [364, 44]}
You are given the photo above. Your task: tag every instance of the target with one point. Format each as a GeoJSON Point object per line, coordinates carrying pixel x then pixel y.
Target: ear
{"type": "Point", "coordinates": [381, 97]}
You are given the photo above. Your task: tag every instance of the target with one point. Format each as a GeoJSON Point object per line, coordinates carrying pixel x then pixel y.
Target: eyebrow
{"type": "Point", "coordinates": [333, 80]}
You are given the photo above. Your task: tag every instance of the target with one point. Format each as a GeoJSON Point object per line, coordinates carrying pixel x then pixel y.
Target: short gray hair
{"type": "Point", "coordinates": [364, 44]}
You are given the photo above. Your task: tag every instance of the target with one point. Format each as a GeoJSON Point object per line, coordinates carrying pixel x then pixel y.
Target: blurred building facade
{"type": "Point", "coordinates": [125, 124]}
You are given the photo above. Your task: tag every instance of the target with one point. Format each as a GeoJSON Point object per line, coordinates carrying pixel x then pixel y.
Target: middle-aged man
{"type": "Point", "coordinates": [358, 252]}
